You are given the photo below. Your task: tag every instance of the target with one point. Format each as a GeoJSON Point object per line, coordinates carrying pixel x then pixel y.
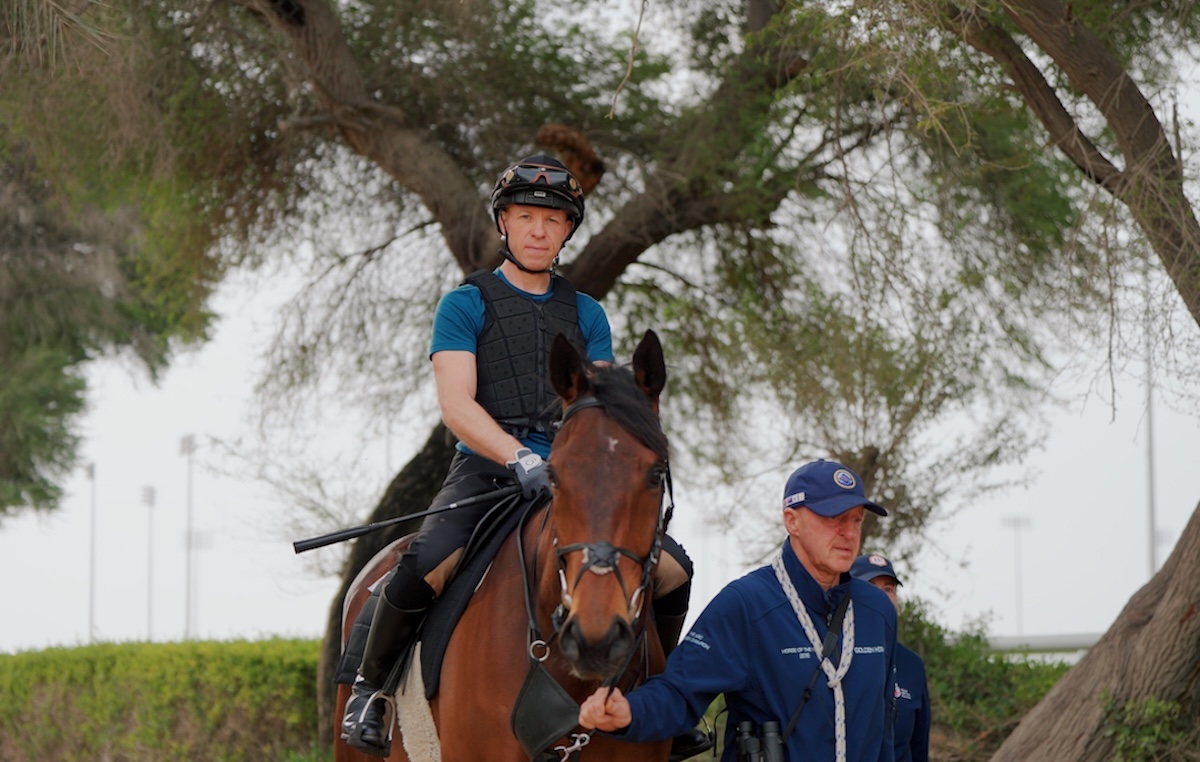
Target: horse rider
{"type": "Point", "coordinates": [491, 338]}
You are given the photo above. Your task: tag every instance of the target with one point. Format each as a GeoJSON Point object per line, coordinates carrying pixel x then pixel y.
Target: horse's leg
{"type": "Point", "coordinates": [485, 665]}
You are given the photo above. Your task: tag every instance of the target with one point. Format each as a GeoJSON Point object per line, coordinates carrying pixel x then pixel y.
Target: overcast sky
{"type": "Point", "coordinates": [1083, 552]}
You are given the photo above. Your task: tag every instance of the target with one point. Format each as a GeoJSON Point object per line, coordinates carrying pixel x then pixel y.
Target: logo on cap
{"type": "Point", "coordinates": [876, 560]}
{"type": "Point", "coordinates": [844, 479]}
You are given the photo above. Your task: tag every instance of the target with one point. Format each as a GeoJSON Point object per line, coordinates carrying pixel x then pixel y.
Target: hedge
{"type": "Point", "coordinates": [197, 701]}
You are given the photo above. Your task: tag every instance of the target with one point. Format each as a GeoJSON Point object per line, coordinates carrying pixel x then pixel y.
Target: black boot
{"type": "Point", "coordinates": [669, 613]}
{"type": "Point", "coordinates": [366, 724]}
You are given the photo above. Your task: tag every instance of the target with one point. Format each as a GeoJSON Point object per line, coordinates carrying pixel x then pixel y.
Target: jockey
{"type": "Point", "coordinates": [491, 338]}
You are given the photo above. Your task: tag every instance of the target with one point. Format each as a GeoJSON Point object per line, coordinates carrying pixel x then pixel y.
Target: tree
{"type": "Point", "coordinates": [782, 166]}
{"type": "Point", "coordinates": [65, 297]}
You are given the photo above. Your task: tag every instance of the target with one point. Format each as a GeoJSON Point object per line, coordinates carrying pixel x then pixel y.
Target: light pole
{"type": "Point", "coordinates": [187, 446]}
{"type": "Point", "coordinates": [1017, 523]}
{"type": "Point", "coordinates": [91, 475]}
{"type": "Point", "coordinates": [1152, 530]}
{"type": "Point", "coordinates": [148, 501]}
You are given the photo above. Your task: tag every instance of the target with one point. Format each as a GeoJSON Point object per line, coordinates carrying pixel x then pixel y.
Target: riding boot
{"type": "Point", "coordinates": [669, 613]}
{"type": "Point", "coordinates": [669, 627]}
{"type": "Point", "coordinates": [366, 724]}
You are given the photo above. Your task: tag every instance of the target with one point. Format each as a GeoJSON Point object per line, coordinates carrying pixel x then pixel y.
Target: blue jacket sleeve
{"type": "Point", "coordinates": [710, 661]}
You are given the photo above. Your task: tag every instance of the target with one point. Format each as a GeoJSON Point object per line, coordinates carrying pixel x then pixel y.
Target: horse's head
{"type": "Point", "coordinates": [609, 473]}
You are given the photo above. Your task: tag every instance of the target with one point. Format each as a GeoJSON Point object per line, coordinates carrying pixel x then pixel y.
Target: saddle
{"type": "Point", "coordinates": [448, 608]}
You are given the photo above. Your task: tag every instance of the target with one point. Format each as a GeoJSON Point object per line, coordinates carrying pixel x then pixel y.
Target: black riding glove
{"type": "Point", "coordinates": [531, 473]}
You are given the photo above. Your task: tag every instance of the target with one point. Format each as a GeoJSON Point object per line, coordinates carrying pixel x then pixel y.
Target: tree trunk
{"type": "Point", "coordinates": [410, 492]}
{"type": "Point", "coordinates": [1152, 651]}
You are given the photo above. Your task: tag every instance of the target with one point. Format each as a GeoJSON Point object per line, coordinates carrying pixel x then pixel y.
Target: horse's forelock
{"type": "Point", "coordinates": [618, 392]}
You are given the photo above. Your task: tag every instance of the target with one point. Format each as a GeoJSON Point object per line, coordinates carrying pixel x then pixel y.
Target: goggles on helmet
{"type": "Point", "coordinates": [533, 177]}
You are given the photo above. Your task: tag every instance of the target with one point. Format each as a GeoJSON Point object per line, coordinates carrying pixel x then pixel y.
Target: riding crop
{"type": "Point", "coordinates": [351, 533]}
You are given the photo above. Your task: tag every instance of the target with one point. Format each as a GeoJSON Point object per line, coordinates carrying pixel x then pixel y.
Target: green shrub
{"type": "Point", "coordinates": [145, 701]}
{"type": "Point", "coordinates": [977, 696]}
{"type": "Point", "coordinates": [1150, 730]}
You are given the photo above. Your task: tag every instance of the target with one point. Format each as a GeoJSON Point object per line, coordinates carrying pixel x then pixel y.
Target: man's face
{"type": "Point", "coordinates": [535, 233]}
{"type": "Point", "coordinates": [888, 585]}
{"type": "Point", "coordinates": [826, 546]}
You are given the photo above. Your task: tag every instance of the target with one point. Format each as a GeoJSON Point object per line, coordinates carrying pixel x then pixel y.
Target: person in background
{"type": "Point", "coordinates": [765, 642]}
{"type": "Point", "coordinates": [913, 718]}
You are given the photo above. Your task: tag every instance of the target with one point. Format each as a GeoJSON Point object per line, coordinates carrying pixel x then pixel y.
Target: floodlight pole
{"type": "Point", "coordinates": [187, 446]}
{"type": "Point", "coordinates": [1018, 523]}
{"type": "Point", "coordinates": [91, 475]}
{"type": "Point", "coordinates": [1152, 529]}
{"type": "Point", "coordinates": [148, 501]}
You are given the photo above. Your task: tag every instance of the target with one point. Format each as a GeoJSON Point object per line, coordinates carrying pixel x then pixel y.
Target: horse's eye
{"type": "Point", "coordinates": [553, 477]}
{"type": "Point", "coordinates": [656, 476]}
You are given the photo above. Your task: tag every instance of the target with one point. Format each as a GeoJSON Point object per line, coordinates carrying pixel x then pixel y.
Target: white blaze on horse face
{"type": "Point", "coordinates": [612, 444]}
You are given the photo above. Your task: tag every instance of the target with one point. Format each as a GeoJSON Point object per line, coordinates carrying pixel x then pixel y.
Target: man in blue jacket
{"type": "Point", "coordinates": [913, 718]}
{"type": "Point", "coordinates": [760, 642]}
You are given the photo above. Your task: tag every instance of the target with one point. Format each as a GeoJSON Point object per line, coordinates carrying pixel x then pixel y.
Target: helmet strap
{"type": "Point", "coordinates": [507, 254]}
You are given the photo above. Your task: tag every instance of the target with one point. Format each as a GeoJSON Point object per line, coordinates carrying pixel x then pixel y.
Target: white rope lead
{"type": "Point", "coordinates": [835, 675]}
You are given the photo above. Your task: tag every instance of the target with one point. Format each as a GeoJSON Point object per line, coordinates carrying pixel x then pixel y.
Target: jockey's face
{"type": "Point", "coordinates": [535, 233]}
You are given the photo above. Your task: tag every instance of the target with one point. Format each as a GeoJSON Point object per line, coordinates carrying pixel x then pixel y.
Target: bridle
{"type": "Point", "coordinates": [601, 557]}
{"type": "Point", "coordinates": [598, 558]}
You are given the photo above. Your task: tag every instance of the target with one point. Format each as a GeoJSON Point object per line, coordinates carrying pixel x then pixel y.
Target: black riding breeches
{"type": "Point", "coordinates": [443, 533]}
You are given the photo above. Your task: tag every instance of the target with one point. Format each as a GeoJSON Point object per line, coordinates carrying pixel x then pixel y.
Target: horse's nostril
{"type": "Point", "coordinates": [601, 657]}
{"type": "Point", "coordinates": [571, 640]}
{"type": "Point", "coordinates": [620, 641]}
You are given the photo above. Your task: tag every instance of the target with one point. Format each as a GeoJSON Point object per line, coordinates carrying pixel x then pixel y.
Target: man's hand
{"type": "Point", "coordinates": [531, 473]}
{"type": "Point", "coordinates": [605, 711]}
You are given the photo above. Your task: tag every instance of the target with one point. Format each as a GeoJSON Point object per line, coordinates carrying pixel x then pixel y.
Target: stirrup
{"type": "Point", "coordinates": [352, 730]}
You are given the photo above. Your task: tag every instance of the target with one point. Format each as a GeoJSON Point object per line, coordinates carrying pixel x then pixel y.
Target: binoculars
{"type": "Point", "coordinates": [752, 747]}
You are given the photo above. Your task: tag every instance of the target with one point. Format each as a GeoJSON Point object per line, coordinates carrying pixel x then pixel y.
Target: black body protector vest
{"type": "Point", "coordinates": [513, 352]}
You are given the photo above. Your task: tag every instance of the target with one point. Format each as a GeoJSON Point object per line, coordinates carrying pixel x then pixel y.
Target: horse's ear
{"type": "Point", "coordinates": [566, 370]}
{"type": "Point", "coordinates": [649, 367]}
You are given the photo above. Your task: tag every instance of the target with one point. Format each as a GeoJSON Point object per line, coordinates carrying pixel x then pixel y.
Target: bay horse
{"type": "Point", "coordinates": [568, 594]}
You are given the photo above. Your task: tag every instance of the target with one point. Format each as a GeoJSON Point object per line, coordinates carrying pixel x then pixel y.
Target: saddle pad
{"type": "Point", "coordinates": [415, 718]}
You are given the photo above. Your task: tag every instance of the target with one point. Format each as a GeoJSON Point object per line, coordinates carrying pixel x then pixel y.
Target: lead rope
{"type": "Point", "coordinates": [835, 675]}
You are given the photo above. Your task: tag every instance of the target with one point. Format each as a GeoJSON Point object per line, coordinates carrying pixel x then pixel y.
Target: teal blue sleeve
{"type": "Point", "coordinates": [593, 322]}
{"type": "Point", "coordinates": [458, 320]}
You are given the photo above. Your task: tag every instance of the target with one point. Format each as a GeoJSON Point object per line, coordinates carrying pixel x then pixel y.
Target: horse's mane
{"type": "Point", "coordinates": [615, 388]}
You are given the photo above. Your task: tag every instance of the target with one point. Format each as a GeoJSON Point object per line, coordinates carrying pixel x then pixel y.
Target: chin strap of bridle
{"type": "Point", "coordinates": [507, 254]}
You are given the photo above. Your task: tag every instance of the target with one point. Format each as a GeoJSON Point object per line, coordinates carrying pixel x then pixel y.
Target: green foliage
{"type": "Point", "coordinates": [40, 396]}
{"type": "Point", "coordinates": [1150, 730]}
{"type": "Point", "coordinates": [197, 701]}
{"type": "Point", "coordinates": [977, 696]}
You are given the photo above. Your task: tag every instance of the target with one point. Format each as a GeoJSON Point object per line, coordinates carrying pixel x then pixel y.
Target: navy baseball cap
{"type": "Point", "coordinates": [873, 565]}
{"type": "Point", "coordinates": [827, 489]}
